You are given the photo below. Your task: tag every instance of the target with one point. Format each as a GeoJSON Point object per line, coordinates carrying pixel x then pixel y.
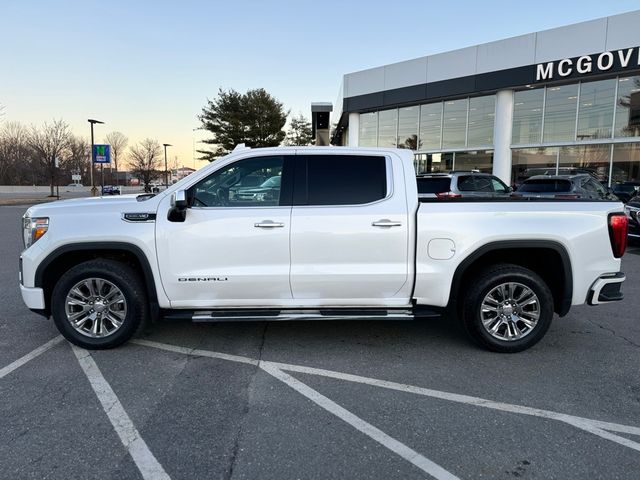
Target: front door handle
{"type": "Point", "coordinates": [268, 224]}
{"type": "Point", "coordinates": [385, 222]}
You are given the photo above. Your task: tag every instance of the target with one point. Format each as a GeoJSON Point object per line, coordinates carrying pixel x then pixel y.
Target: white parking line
{"type": "Point", "coordinates": [29, 356]}
{"type": "Point", "coordinates": [369, 430]}
{"type": "Point", "coordinates": [149, 467]}
{"type": "Point", "coordinates": [596, 427]}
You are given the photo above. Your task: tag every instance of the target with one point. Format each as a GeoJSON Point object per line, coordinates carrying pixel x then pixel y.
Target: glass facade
{"type": "Point", "coordinates": [430, 126]}
{"type": "Point", "coordinates": [527, 116]}
{"type": "Point", "coordinates": [572, 128]}
{"type": "Point", "coordinates": [595, 113]}
{"type": "Point", "coordinates": [628, 107]}
{"type": "Point", "coordinates": [482, 112]}
{"type": "Point", "coordinates": [388, 128]}
{"type": "Point", "coordinates": [560, 113]}
{"type": "Point", "coordinates": [408, 127]}
{"type": "Point", "coordinates": [368, 134]}
{"type": "Point", "coordinates": [454, 123]}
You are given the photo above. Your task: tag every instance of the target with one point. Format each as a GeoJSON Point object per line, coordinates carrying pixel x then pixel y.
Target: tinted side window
{"type": "Point", "coordinates": [342, 180]}
{"type": "Point", "coordinates": [254, 182]}
{"type": "Point", "coordinates": [466, 183]}
{"type": "Point", "coordinates": [483, 184]}
{"type": "Point", "coordinates": [434, 184]}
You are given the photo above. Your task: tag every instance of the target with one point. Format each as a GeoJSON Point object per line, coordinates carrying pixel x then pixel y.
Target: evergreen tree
{"type": "Point", "coordinates": [299, 132]}
{"type": "Point", "coordinates": [254, 118]}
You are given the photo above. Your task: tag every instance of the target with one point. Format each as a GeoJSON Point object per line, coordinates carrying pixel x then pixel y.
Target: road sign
{"type": "Point", "coordinates": [102, 153]}
{"type": "Point", "coordinates": [76, 178]}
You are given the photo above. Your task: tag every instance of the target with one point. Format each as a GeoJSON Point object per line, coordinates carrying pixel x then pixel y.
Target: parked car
{"type": "Point", "coordinates": [110, 190]}
{"type": "Point", "coordinates": [632, 209]}
{"type": "Point", "coordinates": [348, 238]}
{"type": "Point", "coordinates": [625, 190]}
{"type": "Point", "coordinates": [564, 187]}
{"type": "Point", "coordinates": [461, 184]}
{"type": "Point", "coordinates": [269, 190]}
{"type": "Point", "coordinates": [551, 171]}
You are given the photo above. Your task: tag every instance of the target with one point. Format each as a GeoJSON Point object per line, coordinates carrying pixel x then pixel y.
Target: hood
{"type": "Point", "coordinates": [120, 203]}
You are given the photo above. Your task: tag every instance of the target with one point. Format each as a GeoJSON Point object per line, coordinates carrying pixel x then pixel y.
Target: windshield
{"type": "Point", "coordinates": [272, 182]}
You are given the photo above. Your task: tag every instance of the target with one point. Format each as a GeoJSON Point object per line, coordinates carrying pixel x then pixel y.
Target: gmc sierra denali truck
{"type": "Point", "coordinates": [317, 233]}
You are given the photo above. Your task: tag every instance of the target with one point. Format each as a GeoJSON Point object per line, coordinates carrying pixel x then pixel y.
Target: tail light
{"type": "Point", "coordinates": [618, 224]}
{"type": "Point", "coordinates": [448, 195]}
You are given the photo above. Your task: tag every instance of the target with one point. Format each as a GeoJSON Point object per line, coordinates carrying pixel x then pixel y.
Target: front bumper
{"type": "Point", "coordinates": [606, 289]}
{"type": "Point", "coordinates": [33, 297]}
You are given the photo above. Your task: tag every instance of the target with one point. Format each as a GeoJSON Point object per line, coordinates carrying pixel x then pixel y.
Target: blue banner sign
{"type": "Point", "coordinates": [102, 153]}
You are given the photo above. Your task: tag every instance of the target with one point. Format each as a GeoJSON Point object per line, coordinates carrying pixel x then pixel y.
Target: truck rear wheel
{"type": "Point", "coordinates": [507, 308]}
{"type": "Point", "coordinates": [99, 304]}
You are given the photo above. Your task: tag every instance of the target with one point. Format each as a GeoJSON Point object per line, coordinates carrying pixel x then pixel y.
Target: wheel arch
{"type": "Point", "coordinates": [543, 257]}
{"type": "Point", "coordinates": [67, 256]}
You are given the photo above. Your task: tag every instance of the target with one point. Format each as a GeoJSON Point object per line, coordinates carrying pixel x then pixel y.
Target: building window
{"type": "Point", "coordinates": [626, 162]}
{"type": "Point", "coordinates": [430, 126]}
{"type": "Point", "coordinates": [408, 127]}
{"type": "Point", "coordinates": [388, 128]}
{"type": "Point", "coordinates": [433, 162]}
{"type": "Point", "coordinates": [482, 112]}
{"type": "Point", "coordinates": [527, 116]}
{"type": "Point", "coordinates": [560, 113]}
{"type": "Point", "coordinates": [454, 130]}
{"type": "Point", "coordinates": [628, 107]}
{"type": "Point", "coordinates": [591, 159]}
{"type": "Point", "coordinates": [368, 135]}
{"type": "Point", "coordinates": [527, 162]}
{"type": "Point", "coordinates": [481, 160]}
{"type": "Point", "coordinates": [595, 113]}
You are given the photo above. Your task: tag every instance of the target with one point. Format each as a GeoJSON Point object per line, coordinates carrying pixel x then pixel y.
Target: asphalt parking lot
{"type": "Point", "coordinates": [319, 400]}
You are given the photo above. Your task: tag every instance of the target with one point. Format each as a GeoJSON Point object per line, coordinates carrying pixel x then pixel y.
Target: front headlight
{"type": "Point", "coordinates": [33, 229]}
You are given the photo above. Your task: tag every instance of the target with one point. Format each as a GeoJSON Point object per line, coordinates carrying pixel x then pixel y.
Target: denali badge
{"type": "Point", "coordinates": [202, 279]}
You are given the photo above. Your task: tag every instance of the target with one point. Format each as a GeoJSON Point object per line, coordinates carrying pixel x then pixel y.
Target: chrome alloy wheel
{"type": "Point", "coordinates": [95, 307]}
{"type": "Point", "coordinates": [510, 311]}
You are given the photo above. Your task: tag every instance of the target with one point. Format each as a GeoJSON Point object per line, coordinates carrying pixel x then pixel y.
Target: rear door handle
{"type": "Point", "coordinates": [268, 224]}
{"type": "Point", "coordinates": [385, 222]}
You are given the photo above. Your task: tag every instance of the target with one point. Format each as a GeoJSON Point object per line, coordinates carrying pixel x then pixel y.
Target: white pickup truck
{"type": "Point", "coordinates": [317, 233]}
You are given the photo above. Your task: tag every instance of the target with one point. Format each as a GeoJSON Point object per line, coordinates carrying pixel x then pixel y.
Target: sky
{"type": "Point", "coordinates": [146, 68]}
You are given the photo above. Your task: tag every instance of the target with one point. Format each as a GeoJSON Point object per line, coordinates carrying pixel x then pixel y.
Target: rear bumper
{"type": "Point", "coordinates": [33, 297]}
{"type": "Point", "coordinates": [606, 289]}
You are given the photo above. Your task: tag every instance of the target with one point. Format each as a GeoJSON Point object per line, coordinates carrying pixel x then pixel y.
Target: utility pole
{"type": "Point", "coordinates": [94, 190]}
{"type": "Point", "coordinates": [166, 172]}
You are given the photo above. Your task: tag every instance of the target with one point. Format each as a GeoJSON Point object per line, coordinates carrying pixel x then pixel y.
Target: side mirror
{"type": "Point", "coordinates": [179, 204]}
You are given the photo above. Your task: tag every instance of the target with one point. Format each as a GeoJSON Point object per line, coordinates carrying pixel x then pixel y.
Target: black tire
{"type": "Point", "coordinates": [485, 282]}
{"type": "Point", "coordinates": [121, 276]}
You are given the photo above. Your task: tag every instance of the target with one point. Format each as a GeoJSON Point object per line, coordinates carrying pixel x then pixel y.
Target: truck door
{"type": "Point", "coordinates": [349, 231]}
{"type": "Point", "coordinates": [233, 247]}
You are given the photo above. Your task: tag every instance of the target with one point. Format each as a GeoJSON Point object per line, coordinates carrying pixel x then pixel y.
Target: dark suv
{"type": "Point", "coordinates": [461, 184]}
{"type": "Point", "coordinates": [564, 186]}
{"type": "Point", "coordinates": [632, 209]}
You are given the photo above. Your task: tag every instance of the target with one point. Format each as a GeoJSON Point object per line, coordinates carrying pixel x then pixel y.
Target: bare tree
{"type": "Point", "coordinates": [77, 160]}
{"type": "Point", "coordinates": [118, 142]}
{"type": "Point", "coordinates": [144, 160]}
{"type": "Point", "coordinates": [15, 155]}
{"type": "Point", "coordinates": [48, 144]}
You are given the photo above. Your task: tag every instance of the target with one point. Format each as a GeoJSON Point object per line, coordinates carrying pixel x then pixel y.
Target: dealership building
{"type": "Point", "coordinates": [561, 100]}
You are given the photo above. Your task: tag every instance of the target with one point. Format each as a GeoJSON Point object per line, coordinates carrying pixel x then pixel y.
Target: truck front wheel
{"type": "Point", "coordinates": [507, 308]}
{"type": "Point", "coordinates": [99, 304]}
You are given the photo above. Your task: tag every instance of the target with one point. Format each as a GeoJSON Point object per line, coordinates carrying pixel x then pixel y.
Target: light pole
{"type": "Point", "coordinates": [166, 172]}
{"type": "Point", "coordinates": [94, 190]}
